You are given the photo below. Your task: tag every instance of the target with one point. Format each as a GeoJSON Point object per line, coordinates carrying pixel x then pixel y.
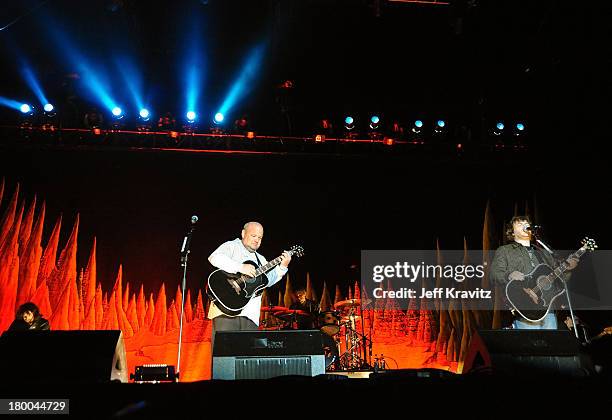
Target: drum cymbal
{"type": "Point", "coordinates": [290, 313]}
{"type": "Point", "coordinates": [273, 309]}
{"type": "Point", "coordinates": [349, 303]}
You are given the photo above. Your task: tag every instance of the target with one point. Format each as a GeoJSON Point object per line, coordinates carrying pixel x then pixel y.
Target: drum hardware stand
{"type": "Point", "coordinates": [367, 343]}
{"type": "Point", "coordinates": [351, 358]}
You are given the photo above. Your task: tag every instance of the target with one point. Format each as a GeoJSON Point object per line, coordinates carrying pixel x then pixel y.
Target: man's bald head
{"type": "Point", "coordinates": [249, 224]}
{"type": "Point", "coordinates": [252, 234]}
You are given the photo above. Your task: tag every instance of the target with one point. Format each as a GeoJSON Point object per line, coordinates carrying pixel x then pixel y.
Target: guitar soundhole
{"type": "Point", "coordinates": [543, 283]}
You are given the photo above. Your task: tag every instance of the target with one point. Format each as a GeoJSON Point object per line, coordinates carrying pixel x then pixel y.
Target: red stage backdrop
{"type": "Point", "coordinates": [72, 299]}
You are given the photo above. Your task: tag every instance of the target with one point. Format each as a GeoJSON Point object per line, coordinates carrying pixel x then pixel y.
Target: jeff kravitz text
{"type": "Point", "coordinates": [411, 272]}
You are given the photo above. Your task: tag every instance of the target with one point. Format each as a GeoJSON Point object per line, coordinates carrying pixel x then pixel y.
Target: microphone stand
{"type": "Point", "coordinates": [185, 250]}
{"type": "Point", "coordinates": [567, 294]}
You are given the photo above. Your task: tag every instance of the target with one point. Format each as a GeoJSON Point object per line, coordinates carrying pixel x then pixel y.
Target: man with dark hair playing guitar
{"type": "Point", "coordinates": [512, 265]}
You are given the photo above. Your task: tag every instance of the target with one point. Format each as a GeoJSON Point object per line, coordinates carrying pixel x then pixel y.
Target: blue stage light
{"type": "Point", "coordinates": [417, 127]}
{"type": "Point", "coordinates": [441, 123]}
{"type": "Point", "coordinates": [245, 80]}
{"type": "Point", "coordinates": [33, 83]}
{"type": "Point", "coordinates": [117, 112]}
{"type": "Point", "coordinates": [219, 118]}
{"type": "Point", "coordinates": [144, 114]}
{"type": "Point", "coordinates": [520, 126]}
{"type": "Point", "coordinates": [500, 126]}
{"type": "Point", "coordinates": [191, 116]}
{"type": "Point", "coordinates": [349, 121]}
{"type": "Point", "coordinates": [25, 108]}
{"type": "Point", "coordinates": [48, 108]}
{"type": "Point", "coordinates": [10, 103]}
{"type": "Point", "coordinates": [374, 121]}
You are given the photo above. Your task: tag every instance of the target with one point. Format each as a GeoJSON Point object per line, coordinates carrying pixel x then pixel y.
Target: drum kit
{"type": "Point", "coordinates": [344, 346]}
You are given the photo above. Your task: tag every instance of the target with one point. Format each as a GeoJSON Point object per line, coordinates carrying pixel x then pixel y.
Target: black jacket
{"type": "Point", "coordinates": [40, 324]}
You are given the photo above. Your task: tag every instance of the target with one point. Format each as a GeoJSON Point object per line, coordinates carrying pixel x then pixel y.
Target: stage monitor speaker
{"type": "Point", "coordinates": [527, 352]}
{"type": "Point", "coordinates": [64, 356]}
{"type": "Point", "coordinates": [267, 354]}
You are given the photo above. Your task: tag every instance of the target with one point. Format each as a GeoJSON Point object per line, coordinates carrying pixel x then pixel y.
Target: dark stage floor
{"type": "Point", "coordinates": [402, 393]}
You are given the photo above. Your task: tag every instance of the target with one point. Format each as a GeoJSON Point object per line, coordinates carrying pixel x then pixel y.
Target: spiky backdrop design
{"type": "Point", "coordinates": [72, 298]}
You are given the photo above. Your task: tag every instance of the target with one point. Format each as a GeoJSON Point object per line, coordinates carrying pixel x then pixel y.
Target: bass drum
{"type": "Point", "coordinates": [329, 322]}
{"type": "Point", "coordinates": [330, 347]}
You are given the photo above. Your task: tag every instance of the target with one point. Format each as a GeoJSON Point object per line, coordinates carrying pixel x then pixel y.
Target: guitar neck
{"type": "Point", "coordinates": [562, 268]}
{"type": "Point", "coordinates": [270, 264]}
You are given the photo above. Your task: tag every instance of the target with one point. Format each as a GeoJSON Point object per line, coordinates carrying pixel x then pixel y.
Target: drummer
{"type": "Point", "coordinates": [306, 305]}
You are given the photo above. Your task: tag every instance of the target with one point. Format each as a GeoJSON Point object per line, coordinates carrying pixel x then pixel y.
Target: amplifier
{"type": "Point", "coordinates": [531, 352]}
{"type": "Point", "coordinates": [64, 356]}
{"type": "Point", "coordinates": [267, 354]}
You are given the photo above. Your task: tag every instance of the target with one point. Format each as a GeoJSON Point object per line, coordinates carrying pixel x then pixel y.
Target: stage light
{"type": "Point", "coordinates": [49, 121]}
{"type": "Point", "coordinates": [219, 118]}
{"type": "Point", "coordinates": [374, 122]}
{"type": "Point", "coordinates": [26, 109]}
{"type": "Point", "coordinates": [518, 130]}
{"type": "Point", "coordinates": [319, 138]}
{"type": "Point", "coordinates": [49, 114]}
{"type": "Point", "coordinates": [117, 113]}
{"type": "Point", "coordinates": [190, 125]}
{"type": "Point", "coordinates": [26, 123]}
{"type": "Point", "coordinates": [388, 141]}
{"type": "Point", "coordinates": [144, 117]}
{"type": "Point", "coordinates": [250, 135]}
{"type": "Point", "coordinates": [499, 128]}
{"type": "Point", "coordinates": [116, 120]}
{"type": "Point", "coordinates": [440, 127]}
{"type": "Point", "coordinates": [116, 123]}
{"type": "Point", "coordinates": [349, 123]}
{"type": "Point", "coordinates": [417, 127]}
{"type": "Point", "coordinates": [373, 127]}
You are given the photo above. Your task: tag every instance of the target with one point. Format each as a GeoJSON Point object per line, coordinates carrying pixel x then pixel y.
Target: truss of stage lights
{"type": "Point", "coordinates": [372, 130]}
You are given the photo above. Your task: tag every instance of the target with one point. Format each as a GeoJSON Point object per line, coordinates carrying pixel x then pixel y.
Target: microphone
{"type": "Point", "coordinates": [532, 228]}
{"type": "Point", "coordinates": [187, 238]}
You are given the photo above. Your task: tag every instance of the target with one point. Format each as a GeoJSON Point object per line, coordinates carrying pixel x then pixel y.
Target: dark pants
{"type": "Point", "coordinates": [230, 323]}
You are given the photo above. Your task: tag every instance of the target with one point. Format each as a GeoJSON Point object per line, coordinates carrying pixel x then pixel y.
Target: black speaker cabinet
{"type": "Point", "coordinates": [64, 356]}
{"type": "Point", "coordinates": [527, 352]}
{"type": "Point", "coordinates": [267, 354]}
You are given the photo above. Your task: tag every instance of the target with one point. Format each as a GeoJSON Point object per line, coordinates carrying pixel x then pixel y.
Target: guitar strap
{"type": "Point", "coordinates": [263, 274]}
